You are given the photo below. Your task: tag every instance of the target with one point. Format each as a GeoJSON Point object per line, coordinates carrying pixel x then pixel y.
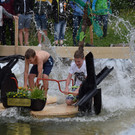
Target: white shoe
{"type": "Point", "coordinates": [39, 45]}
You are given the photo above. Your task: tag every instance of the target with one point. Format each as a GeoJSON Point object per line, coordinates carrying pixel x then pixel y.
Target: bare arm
{"type": "Point", "coordinates": [40, 68]}
{"type": "Point", "coordinates": [26, 73]}
{"type": "Point", "coordinates": [67, 83]}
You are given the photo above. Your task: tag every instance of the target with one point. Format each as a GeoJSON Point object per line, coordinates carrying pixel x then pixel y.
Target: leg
{"type": "Point", "coordinates": [31, 80]}
{"type": "Point", "coordinates": [27, 23]}
{"type": "Point", "coordinates": [44, 25]}
{"type": "Point", "coordinates": [75, 28]}
{"type": "Point", "coordinates": [62, 32]}
{"type": "Point", "coordinates": [45, 83]}
{"type": "Point", "coordinates": [105, 22]}
{"type": "Point", "coordinates": [47, 67]}
{"type": "Point", "coordinates": [56, 32]}
{"type": "Point", "coordinates": [21, 26]}
{"type": "Point", "coordinates": [21, 36]}
{"type": "Point", "coordinates": [26, 36]}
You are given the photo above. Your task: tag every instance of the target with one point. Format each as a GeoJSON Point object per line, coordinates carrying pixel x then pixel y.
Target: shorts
{"type": "Point", "coordinates": [41, 22]}
{"type": "Point", "coordinates": [71, 97]}
{"type": "Point", "coordinates": [24, 21]}
{"type": "Point", "coordinates": [47, 67]}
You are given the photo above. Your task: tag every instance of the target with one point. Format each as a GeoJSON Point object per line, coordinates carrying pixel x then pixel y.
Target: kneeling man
{"type": "Point", "coordinates": [42, 66]}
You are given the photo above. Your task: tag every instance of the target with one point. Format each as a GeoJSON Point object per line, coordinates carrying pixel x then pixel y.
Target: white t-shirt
{"type": "Point", "coordinates": [79, 73]}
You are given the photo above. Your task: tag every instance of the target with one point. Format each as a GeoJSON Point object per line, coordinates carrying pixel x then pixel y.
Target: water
{"type": "Point", "coordinates": [118, 99]}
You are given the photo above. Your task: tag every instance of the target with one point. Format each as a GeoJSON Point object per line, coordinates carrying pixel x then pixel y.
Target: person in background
{"type": "Point", "coordinates": [102, 17]}
{"type": "Point", "coordinates": [3, 11]}
{"type": "Point", "coordinates": [24, 10]}
{"type": "Point", "coordinates": [78, 69]}
{"type": "Point", "coordinates": [60, 15]}
{"type": "Point", "coordinates": [77, 17]}
{"type": "Point", "coordinates": [41, 10]}
{"type": "Point", "coordinates": [8, 25]}
{"type": "Point", "coordinates": [42, 66]}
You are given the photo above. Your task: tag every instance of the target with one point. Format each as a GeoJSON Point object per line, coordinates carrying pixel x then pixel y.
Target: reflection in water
{"type": "Point", "coordinates": [18, 129]}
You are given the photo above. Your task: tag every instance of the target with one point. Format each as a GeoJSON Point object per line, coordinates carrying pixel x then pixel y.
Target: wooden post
{"type": "Point", "coordinates": [16, 36]}
{"type": "Point", "coordinates": [91, 35]}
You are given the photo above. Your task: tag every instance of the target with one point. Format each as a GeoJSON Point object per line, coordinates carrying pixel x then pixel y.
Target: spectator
{"type": "Point", "coordinates": [8, 22]}
{"type": "Point", "coordinates": [102, 17]}
{"type": "Point", "coordinates": [59, 13]}
{"type": "Point", "coordinates": [41, 9]}
{"type": "Point", "coordinates": [23, 8]}
{"type": "Point", "coordinates": [3, 11]}
{"type": "Point", "coordinates": [77, 17]}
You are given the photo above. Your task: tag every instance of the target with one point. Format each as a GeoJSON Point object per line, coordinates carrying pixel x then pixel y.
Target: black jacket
{"type": "Point", "coordinates": [60, 10]}
{"type": "Point", "coordinates": [19, 6]}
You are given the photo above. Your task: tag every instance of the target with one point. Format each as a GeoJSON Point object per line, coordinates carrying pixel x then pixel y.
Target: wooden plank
{"type": "Point", "coordinates": [98, 52]}
{"type": "Point", "coordinates": [68, 52]}
{"type": "Point", "coordinates": [10, 50]}
{"type": "Point", "coordinates": [16, 36]}
{"type": "Point", "coordinates": [91, 34]}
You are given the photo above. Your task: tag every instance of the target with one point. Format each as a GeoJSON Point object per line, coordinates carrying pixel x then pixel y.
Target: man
{"type": "Point", "coordinates": [102, 17]}
{"type": "Point", "coordinates": [41, 9]}
{"type": "Point", "coordinates": [77, 17]}
{"type": "Point", "coordinates": [23, 8]}
{"type": "Point", "coordinates": [42, 61]}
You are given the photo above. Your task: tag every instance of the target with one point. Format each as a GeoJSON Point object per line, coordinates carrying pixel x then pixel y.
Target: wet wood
{"type": "Point", "coordinates": [56, 110]}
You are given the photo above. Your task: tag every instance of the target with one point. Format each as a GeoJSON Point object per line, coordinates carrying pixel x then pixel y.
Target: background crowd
{"type": "Point", "coordinates": [59, 11]}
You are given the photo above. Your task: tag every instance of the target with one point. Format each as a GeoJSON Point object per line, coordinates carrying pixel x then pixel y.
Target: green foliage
{"type": "Point", "coordinates": [22, 93]}
{"type": "Point", "coordinates": [37, 94]}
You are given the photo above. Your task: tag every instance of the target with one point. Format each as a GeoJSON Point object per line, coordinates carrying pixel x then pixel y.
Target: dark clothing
{"type": "Point", "coordinates": [62, 13]}
{"type": "Point", "coordinates": [103, 21]}
{"type": "Point", "coordinates": [8, 5]}
{"type": "Point", "coordinates": [8, 23]}
{"type": "Point", "coordinates": [42, 7]}
{"type": "Point", "coordinates": [21, 8]}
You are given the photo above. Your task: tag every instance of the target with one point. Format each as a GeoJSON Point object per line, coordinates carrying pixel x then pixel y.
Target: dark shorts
{"type": "Point", "coordinates": [41, 22]}
{"type": "Point", "coordinates": [47, 67]}
{"type": "Point", "coordinates": [24, 21]}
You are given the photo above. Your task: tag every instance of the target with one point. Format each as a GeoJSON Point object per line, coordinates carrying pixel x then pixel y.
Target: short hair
{"type": "Point", "coordinates": [30, 53]}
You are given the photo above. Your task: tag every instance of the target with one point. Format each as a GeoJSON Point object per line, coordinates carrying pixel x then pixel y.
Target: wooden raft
{"type": "Point", "coordinates": [52, 109]}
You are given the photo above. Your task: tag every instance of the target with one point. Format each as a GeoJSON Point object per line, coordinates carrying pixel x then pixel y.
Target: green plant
{"type": "Point", "coordinates": [37, 94]}
{"type": "Point", "coordinates": [21, 93]}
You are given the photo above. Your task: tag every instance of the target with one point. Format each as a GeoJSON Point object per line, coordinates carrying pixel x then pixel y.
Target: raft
{"type": "Point", "coordinates": [52, 109]}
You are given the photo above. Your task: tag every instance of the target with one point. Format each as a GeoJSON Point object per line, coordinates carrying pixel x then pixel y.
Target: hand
{"type": "Point", "coordinates": [66, 91]}
{"type": "Point", "coordinates": [16, 17]}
